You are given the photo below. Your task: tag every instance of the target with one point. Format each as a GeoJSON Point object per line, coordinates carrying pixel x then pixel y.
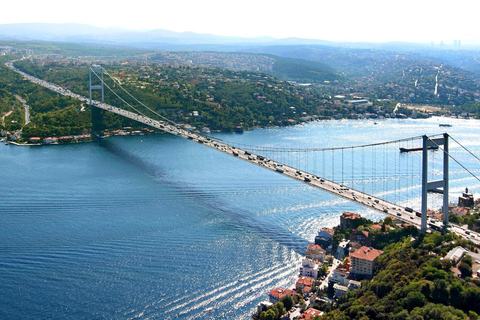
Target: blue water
{"type": "Point", "coordinates": [161, 227]}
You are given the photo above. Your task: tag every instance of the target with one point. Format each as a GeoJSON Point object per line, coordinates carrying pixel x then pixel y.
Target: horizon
{"type": "Point", "coordinates": [371, 21]}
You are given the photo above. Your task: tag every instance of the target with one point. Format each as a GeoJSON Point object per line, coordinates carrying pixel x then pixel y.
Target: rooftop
{"type": "Point", "coordinates": [366, 253]}
{"type": "Point", "coordinates": [350, 215]}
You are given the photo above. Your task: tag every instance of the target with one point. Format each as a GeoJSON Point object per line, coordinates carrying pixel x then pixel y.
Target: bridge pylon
{"type": "Point", "coordinates": [97, 114]}
{"type": "Point", "coordinates": [434, 185]}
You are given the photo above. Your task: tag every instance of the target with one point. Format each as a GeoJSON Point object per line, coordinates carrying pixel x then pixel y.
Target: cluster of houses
{"type": "Point", "coordinates": [62, 139]}
{"type": "Point", "coordinates": [359, 264]}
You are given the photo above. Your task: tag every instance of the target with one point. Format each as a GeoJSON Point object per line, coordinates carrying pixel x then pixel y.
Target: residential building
{"type": "Point", "coordinates": [339, 275]}
{"type": "Point", "coordinates": [310, 268]}
{"type": "Point", "coordinates": [460, 211]}
{"type": "Point", "coordinates": [315, 252]}
{"type": "Point", "coordinates": [354, 285]}
{"type": "Point", "coordinates": [324, 237]}
{"type": "Point", "coordinates": [339, 290]}
{"type": "Point", "coordinates": [360, 236]}
{"type": "Point", "coordinates": [342, 249]}
{"type": "Point", "coordinates": [304, 283]}
{"type": "Point", "coordinates": [276, 294]}
{"type": "Point", "coordinates": [311, 313]}
{"type": "Point", "coordinates": [363, 260]}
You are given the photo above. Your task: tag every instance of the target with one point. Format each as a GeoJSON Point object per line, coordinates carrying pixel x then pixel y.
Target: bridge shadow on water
{"type": "Point", "coordinates": [244, 218]}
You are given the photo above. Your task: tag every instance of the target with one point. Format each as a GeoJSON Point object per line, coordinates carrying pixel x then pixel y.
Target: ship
{"type": "Point", "coordinates": [402, 150]}
{"type": "Point", "coordinates": [444, 125]}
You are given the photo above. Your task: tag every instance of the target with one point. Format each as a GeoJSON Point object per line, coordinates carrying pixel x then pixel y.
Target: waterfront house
{"type": "Point", "coordinates": [315, 252]}
{"type": "Point", "coordinates": [363, 260]}
{"type": "Point", "coordinates": [278, 293]}
{"type": "Point", "coordinates": [50, 140]}
{"type": "Point", "coordinates": [34, 140]}
{"type": "Point", "coordinates": [310, 268]}
{"type": "Point", "coordinates": [324, 237]}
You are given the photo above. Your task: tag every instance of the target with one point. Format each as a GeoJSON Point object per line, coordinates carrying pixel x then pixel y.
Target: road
{"type": "Point", "coordinates": [27, 110]}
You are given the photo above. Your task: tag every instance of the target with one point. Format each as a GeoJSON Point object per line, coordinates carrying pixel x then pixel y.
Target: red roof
{"type": "Point", "coordinates": [366, 253]}
{"type": "Point", "coordinates": [279, 293]}
{"type": "Point", "coordinates": [351, 215]}
{"type": "Point", "coordinates": [330, 231]}
{"type": "Point", "coordinates": [314, 246]}
{"type": "Point", "coordinates": [306, 281]}
{"type": "Point", "coordinates": [311, 313]}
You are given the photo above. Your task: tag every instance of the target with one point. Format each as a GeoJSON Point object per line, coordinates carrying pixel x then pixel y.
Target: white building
{"type": "Point", "coordinates": [310, 268]}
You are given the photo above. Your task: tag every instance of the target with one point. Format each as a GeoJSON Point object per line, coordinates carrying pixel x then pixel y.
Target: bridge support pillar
{"type": "Point", "coordinates": [434, 185]}
{"type": "Point", "coordinates": [97, 113]}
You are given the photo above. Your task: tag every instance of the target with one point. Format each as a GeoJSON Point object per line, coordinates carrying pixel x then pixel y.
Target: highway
{"type": "Point", "coordinates": [347, 193]}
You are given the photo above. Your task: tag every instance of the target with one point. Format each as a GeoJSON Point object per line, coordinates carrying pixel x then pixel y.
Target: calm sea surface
{"type": "Point", "coordinates": [161, 227]}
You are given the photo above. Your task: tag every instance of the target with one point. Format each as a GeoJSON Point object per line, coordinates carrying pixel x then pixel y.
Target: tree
{"type": "Point", "coordinates": [268, 315]}
{"type": "Point", "coordinates": [465, 269]}
{"type": "Point", "coordinates": [287, 302]}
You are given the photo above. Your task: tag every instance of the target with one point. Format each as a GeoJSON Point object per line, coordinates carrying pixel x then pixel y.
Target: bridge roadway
{"type": "Point", "coordinates": [339, 190]}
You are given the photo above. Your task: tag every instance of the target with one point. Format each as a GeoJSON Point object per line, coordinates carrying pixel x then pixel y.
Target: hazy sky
{"type": "Point", "coordinates": [341, 20]}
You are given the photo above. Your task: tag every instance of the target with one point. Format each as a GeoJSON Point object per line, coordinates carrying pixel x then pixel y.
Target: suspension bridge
{"type": "Point", "coordinates": [328, 169]}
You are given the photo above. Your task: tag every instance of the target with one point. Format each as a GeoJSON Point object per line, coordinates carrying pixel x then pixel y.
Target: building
{"type": "Point", "coordinates": [354, 285]}
{"type": "Point", "coordinates": [315, 252]}
{"type": "Point", "coordinates": [360, 236]}
{"type": "Point", "coordinates": [455, 254]}
{"type": "Point", "coordinates": [350, 220]}
{"type": "Point", "coordinates": [339, 275]}
{"type": "Point", "coordinates": [324, 237]}
{"type": "Point", "coordinates": [50, 140]}
{"type": "Point", "coordinates": [34, 139]}
{"type": "Point", "coordinates": [460, 211]}
{"type": "Point", "coordinates": [342, 249]}
{"type": "Point", "coordinates": [263, 306]}
{"type": "Point", "coordinates": [276, 294]}
{"type": "Point", "coordinates": [311, 313]}
{"type": "Point", "coordinates": [339, 290]}
{"type": "Point", "coordinates": [310, 268]}
{"type": "Point", "coordinates": [304, 283]}
{"type": "Point", "coordinates": [363, 260]}
{"type": "Point", "coordinates": [466, 200]}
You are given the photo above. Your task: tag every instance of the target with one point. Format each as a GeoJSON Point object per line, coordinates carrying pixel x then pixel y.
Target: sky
{"type": "Point", "coordinates": [423, 21]}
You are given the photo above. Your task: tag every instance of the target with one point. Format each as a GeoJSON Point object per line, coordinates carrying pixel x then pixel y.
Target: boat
{"type": "Point", "coordinates": [444, 125]}
{"type": "Point", "coordinates": [208, 310]}
{"type": "Point", "coordinates": [402, 150]}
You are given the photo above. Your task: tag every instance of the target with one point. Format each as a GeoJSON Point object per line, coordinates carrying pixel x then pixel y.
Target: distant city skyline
{"type": "Point", "coordinates": [342, 20]}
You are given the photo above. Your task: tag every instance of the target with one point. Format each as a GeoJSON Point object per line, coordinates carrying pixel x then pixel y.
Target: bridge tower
{"type": "Point", "coordinates": [434, 185]}
{"type": "Point", "coordinates": [97, 113]}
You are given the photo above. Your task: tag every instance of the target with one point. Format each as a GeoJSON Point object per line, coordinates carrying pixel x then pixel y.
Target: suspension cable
{"type": "Point", "coordinates": [118, 95]}
{"type": "Point", "coordinates": [141, 103]}
{"type": "Point", "coordinates": [453, 158]}
{"type": "Point", "coordinates": [465, 148]}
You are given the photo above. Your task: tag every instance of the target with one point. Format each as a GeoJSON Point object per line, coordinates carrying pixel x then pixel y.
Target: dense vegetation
{"type": "Point", "coordinates": [412, 281]}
